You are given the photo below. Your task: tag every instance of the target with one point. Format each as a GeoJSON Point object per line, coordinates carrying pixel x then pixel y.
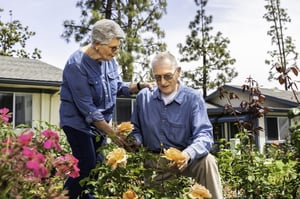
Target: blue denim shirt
{"type": "Point", "coordinates": [88, 91]}
{"type": "Point", "coordinates": [183, 124]}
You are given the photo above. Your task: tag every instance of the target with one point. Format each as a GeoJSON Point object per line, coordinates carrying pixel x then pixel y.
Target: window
{"type": "Point", "coordinates": [277, 128]}
{"type": "Point", "coordinates": [233, 129]}
{"type": "Point", "coordinates": [20, 105]}
{"type": "Point", "coordinates": [226, 126]}
{"type": "Point", "coordinates": [218, 130]}
{"type": "Point", "coordinates": [124, 108]}
{"type": "Point", "coordinates": [6, 101]}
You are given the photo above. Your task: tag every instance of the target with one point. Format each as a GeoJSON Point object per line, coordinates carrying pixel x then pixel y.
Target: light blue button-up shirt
{"type": "Point", "coordinates": [89, 90]}
{"type": "Point", "coordinates": [183, 124]}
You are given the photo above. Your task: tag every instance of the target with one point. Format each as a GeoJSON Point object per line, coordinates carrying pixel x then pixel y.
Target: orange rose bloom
{"type": "Point", "coordinates": [124, 128]}
{"type": "Point", "coordinates": [130, 194]}
{"type": "Point", "coordinates": [199, 191]}
{"type": "Point", "coordinates": [117, 157]}
{"type": "Point", "coordinates": [174, 155]}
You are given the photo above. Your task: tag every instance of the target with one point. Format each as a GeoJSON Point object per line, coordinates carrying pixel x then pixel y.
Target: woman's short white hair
{"type": "Point", "coordinates": [104, 30]}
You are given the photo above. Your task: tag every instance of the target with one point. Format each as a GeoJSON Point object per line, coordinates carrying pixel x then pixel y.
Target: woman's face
{"type": "Point", "coordinates": [108, 51]}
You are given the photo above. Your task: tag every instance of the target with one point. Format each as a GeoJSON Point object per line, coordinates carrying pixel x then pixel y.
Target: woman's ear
{"type": "Point", "coordinates": [179, 69]}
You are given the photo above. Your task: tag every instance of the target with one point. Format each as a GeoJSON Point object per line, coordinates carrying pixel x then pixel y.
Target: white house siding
{"type": "Point", "coordinates": [46, 107]}
{"type": "Point", "coordinates": [54, 108]}
{"type": "Point", "coordinates": [261, 135]}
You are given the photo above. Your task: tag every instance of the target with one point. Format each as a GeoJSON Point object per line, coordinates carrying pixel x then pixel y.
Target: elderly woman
{"type": "Point", "coordinates": [90, 85]}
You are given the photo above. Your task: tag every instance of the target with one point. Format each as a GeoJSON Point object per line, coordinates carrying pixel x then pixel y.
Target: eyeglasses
{"type": "Point", "coordinates": [167, 77]}
{"type": "Point", "coordinates": [114, 48]}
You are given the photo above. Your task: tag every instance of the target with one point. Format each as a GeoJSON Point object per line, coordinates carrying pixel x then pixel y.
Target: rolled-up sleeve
{"type": "Point", "coordinates": [123, 88]}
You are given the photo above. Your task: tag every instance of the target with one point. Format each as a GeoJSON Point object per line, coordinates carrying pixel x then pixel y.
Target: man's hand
{"type": "Point", "coordinates": [132, 143]}
{"type": "Point", "coordinates": [184, 163]}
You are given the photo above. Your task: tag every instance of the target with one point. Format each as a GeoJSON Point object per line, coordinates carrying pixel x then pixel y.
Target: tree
{"type": "Point", "coordinates": [202, 45]}
{"type": "Point", "coordinates": [139, 21]}
{"type": "Point", "coordinates": [13, 38]}
{"type": "Point", "coordinates": [283, 59]}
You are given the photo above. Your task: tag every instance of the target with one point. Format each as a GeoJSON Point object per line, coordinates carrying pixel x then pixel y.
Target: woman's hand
{"type": "Point", "coordinates": [146, 85]}
{"type": "Point", "coordinates": [118, 140]}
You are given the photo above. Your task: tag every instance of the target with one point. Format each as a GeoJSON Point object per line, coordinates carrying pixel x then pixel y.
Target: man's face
{"type": "Point", "coordinates": [166, 76]}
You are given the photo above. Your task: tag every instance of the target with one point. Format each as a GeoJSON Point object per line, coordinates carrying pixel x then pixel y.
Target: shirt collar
{"type": "Point", "coordinates": [178, 98]}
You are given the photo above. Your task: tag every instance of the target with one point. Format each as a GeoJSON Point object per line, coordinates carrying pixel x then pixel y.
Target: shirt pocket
{"type": "Point", "coordinates": [113, 82]}
{"type": "Point", "coordinates": [97, 90]}
{"type": "Point", "coordinates": [177, 134]}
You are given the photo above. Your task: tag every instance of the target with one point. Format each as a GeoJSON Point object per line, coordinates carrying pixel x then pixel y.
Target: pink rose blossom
{"type": "Point", "coordinates": [52, 140]}
{"type": "Point", "coordinates": [29, 152]}
{"type": "Point", "coordinates": [5, 115]}
{"type": "Point", "coordinates": [37, 165]}
{"type": "Point", "coordinates": [66, 165]}
{"type": "Point", "coordinates": [25, 138]}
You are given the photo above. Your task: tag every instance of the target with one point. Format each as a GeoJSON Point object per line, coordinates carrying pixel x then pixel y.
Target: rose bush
{"type": "Point", "coordinates": [33, 164]}
{"type": "Point", "coordinates": [122, 174]}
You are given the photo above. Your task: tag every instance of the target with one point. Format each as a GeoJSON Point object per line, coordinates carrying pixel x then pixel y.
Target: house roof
{"type": "Point", "coordinates": [28, 71]}
{"type": "Point", "coordinates": [277, 95]}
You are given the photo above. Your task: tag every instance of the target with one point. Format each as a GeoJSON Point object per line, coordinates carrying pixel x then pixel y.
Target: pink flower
{"type": "Point", "coordinates": [37, 165]}
{"type": "Point", "coordinates": [25, 138]}
{"type": "Point", "coordinates": [66, 165]}
{"type": "Point", "coordinates": [52, 140]}
{"type": "Point", "coordinates": [5, 115]}
{"type": "Point", "coordinates": [29, 152]}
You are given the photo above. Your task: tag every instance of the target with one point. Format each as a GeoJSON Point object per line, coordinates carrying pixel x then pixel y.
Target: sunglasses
{"type": "Point", "coordinates": [167, 77]}
{"type": "Point", "coordinates": [114, 48]}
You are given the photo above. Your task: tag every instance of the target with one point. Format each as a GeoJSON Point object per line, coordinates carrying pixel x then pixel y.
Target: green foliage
{"type": "Point", "coordinates": [247, 173]}
{"type": "Point", "coordinates": [294, 113]}
{"type": "Point", "coordinates": [208, 51]}
{"type": "Point", "coordinates": [250, 174]}
{"type": "Point", "coordinates": [112, 183]}
{"type": "Point", "coordinates": [139, 20]}
{"type": "Point", "coordinates": [13, 39]}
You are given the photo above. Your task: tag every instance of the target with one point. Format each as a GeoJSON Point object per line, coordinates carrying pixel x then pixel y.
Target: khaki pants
{"type": "Point", "coordinates": [204, 171]}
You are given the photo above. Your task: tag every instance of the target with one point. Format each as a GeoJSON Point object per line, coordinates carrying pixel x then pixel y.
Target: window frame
{"type": "Point", "coordinates": [280, 131]}
{"type": "Point", "coordinates": [13, 110]}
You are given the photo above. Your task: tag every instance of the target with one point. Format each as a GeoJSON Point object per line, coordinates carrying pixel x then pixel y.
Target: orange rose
{"type": "Point", "coordinates": [117, 157]}
{"type": "Point", "coordinates": [124, 128]}
{"type": "Point", "coordinates": [199, 191]}
{"type": "Point", "coordinates": [130, 194]}
{"type": "Point", "coordinates": [174, 155]}
{"type": "Point", "coordinates": [276, 143]}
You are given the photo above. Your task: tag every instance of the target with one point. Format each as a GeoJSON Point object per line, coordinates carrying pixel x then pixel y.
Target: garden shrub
{"type": "Point", "coordinates": [247, 173]}
{"type": "Point", "coordinates": [33, 163]}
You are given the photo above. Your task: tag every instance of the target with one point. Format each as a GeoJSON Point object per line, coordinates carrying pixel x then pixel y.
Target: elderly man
{"type": "Point", "coordinates": [174, 115]}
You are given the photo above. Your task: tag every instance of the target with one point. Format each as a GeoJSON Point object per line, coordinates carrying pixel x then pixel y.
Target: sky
{"type": "Point", "coordinates": [240, 21]}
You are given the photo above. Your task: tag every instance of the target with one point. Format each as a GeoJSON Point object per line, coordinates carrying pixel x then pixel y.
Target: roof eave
{"type": "Point", "coordinates": [30, 82]}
